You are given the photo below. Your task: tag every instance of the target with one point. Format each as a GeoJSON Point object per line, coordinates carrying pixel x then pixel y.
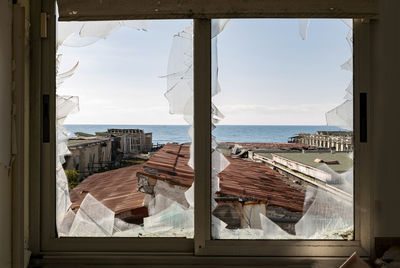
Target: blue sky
{"type": "Point", "coordinates": [268, 74]}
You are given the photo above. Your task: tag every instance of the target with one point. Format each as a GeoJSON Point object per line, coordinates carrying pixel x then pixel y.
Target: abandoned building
{"type": "Point", "coordinates": [271, 184]}
{"type": "Point", "coordinates": [93, 153]}
{"type": "Point", "coordinates": [304, 164]}
{"type": "Point", "coordinates": [89, 154]}
{"type": "Point", "coordinates": [117, 190]}
{"type": "Point", "coordinates": [242, 149]}
{"type": "Point", "coordinates": [341, 141]}
{"type": "Point", "coordinates": [133, 141]}
{"type": "Point", "coordinates": [246, 188]}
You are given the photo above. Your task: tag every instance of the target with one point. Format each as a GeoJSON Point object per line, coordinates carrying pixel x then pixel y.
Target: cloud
{"type": "Point", "coordinates": [239, 108]}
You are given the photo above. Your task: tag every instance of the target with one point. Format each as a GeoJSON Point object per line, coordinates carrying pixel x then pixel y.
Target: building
{"type": "Point", "coordinates": [133, 141]}
{"type": "Point", "coordinates": [332, 172]}
{"type": "Point", "coordinates": [341, 141]}
{"type": "Point", "coordinates": [89, 154]}
{"type": "Point", "coordinates": [117, 190]}
{"type": "Point", "coordinates": [105, 150]}
{"type": "Point", "coordinates": [247, 188]}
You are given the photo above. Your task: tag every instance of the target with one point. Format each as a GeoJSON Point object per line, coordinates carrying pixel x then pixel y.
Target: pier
{"type": "Point", "coordinates": [340, 141]}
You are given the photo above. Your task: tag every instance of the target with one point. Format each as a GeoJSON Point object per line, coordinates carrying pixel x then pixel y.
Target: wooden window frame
{"type": "Point", "coordinates": [43, 238]}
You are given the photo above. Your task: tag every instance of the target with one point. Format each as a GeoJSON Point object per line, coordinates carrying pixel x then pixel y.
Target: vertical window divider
{"type": "Point", "coordinates": [202, 132]}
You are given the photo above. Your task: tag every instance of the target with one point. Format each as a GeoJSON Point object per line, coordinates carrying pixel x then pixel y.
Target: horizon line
{"type": "Point", "coordinates": [189, 125]}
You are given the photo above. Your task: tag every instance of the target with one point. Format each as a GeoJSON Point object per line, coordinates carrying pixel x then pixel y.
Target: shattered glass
{"type": "Point", "coordinates": [65, 105]}
{"type": "Point", "coordinates": [328, 206]}
{"type": "Point", "coordinates": [342, 115]}
{"type": "Point", "coordinates": [170, 209]}
{"type": "Point", "coordinates": [92, 219]}
{"type": "Point", "coordinates": [326, 214]}
{"type": "Point", "coordinates": [330, 216]}
{"type": "Point", "coordinates": [303, 28]}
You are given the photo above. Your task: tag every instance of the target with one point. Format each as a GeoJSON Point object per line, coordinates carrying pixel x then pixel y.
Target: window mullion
{"type": "Point", "coordinates": [202, 131]}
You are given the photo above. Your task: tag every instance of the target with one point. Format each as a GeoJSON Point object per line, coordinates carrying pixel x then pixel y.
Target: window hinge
{"type": "Point", "coordinates": [43, 25]}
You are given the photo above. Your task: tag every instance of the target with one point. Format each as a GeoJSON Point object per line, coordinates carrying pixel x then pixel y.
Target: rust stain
{"type": "Point", "coordinates": [116, 189]}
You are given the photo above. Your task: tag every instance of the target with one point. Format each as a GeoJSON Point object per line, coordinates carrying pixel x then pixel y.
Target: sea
{"type": "Point", "coordinates": [223, 133]}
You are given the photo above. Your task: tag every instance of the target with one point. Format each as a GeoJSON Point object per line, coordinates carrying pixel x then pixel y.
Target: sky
{"type": "Point", "coordinates": [267, 73]}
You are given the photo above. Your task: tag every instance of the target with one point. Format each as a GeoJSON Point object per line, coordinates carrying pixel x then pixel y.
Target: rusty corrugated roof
{"type": "Point", "coordinates": [116, 189]}
{"type": "Point", "coordinates": [170, 164]}
{"type": "Point", "coordinates": [244, 179]}
{"type": "Point", "coordinates": [248, 179]}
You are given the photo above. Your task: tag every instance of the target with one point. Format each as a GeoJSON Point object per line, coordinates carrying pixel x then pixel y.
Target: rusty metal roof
{"type": "Point", "coordinates": [170, 164]}
{"type": "Point", "coordinates": [243, 179]}
{"type": "Point", "coordinates": [248, 179]}
{"type": "Point", "coordinates": [116, 189]}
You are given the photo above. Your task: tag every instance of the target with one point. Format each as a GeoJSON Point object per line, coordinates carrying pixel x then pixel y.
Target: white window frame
{"type": "Point", "coordinates": [43, 237]}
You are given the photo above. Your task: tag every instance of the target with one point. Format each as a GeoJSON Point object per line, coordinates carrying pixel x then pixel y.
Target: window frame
{"type": "Point", "coordinates": [43, 238]}
{"type": "Point", "coordinates": [205, 245]}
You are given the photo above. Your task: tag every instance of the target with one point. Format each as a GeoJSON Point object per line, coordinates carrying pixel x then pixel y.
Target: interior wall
{"type": "Point", "coordinates": [386, 97]}
{"type": "Point", "coordinates": [5, 139]}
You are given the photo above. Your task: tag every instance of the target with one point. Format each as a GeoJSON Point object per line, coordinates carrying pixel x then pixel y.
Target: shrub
{"type": "Point", "coordinates": [73, 178]}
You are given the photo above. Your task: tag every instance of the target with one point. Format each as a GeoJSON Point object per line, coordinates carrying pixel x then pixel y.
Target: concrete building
{"type": "Point", "coordinates": [341, 141]}
{"type": "Point", "coordinates": [133, 141]}
{"type": "Point", "coordinates": [332, 172]}
{"type": "Point", "coordinates": [89, 155]}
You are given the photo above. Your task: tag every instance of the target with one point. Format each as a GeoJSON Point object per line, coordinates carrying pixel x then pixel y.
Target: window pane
{"type": "Point", "coordinates": [283, 153]}
{"type": "Point", "coordinates": [124, 118]}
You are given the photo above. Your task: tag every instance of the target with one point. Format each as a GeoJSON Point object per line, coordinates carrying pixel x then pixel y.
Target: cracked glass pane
{"type": "Point", "coordinates": [124, 129]}
{"type": "Point", "coordinates": [282, 154]}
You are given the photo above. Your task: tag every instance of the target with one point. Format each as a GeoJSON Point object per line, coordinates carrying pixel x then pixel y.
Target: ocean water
{"type": "Point", "coordinates": [223, 133]}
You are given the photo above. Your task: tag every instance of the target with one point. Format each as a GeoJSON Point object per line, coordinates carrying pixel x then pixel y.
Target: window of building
{"type": "Point", "coordinates": [283, 160]}
{"type": "Point", "coordinates": [114, 94]}
{"type": "Point", "coordinates": [209, 234]}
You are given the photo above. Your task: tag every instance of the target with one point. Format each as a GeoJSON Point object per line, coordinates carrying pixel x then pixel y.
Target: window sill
{"type": "Point", "coordinates": [102, 259]}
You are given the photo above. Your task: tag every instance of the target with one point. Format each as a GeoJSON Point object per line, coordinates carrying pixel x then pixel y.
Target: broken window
{"type": "Point", "coordinates": [241, 210]}
{"type": "Point", "coordinates": [124, 129]}
{"type": "Point", "coordinates": [282, 150]}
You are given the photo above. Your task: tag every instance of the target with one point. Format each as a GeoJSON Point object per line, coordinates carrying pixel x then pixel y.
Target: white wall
{"type": "Point", "coordinates": [5, 108]}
